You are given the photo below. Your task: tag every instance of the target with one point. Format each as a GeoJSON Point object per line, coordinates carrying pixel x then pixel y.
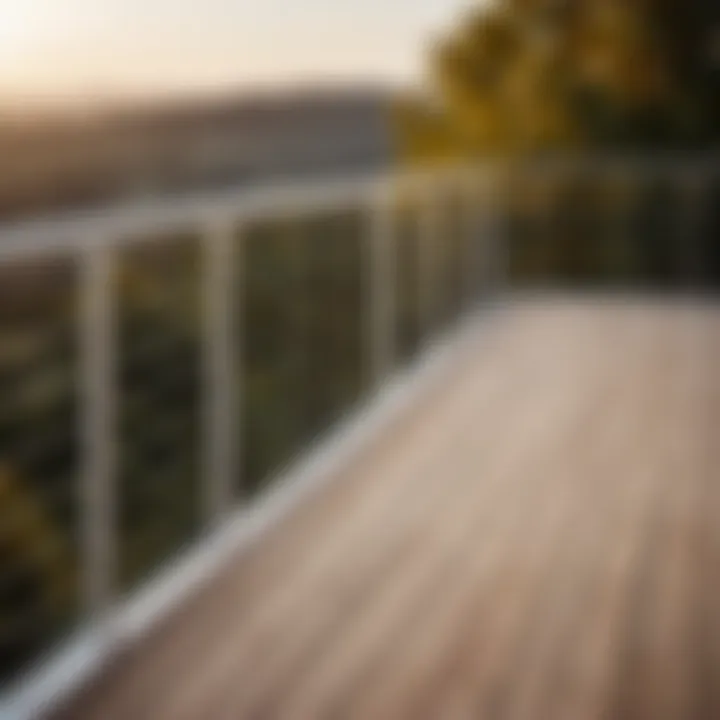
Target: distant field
{"type": "Point", "coordinates": [51, 164]}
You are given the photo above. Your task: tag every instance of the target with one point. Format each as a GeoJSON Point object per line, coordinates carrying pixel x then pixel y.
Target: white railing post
{"type": "Point", "coordinates": [497, 210]}
{"type": "Point", "coordinates": [471, 236]}
{"type": "Point", "coordinates": [382, 287]}
{"type": "Point", "coordinates": [690, 230]}
{"type": "Point", "coordinates": [427, 260]}
{"type": "Point", "coordinates": [98, 415]}
{"type": "Point", "coordinates": [221, 322]}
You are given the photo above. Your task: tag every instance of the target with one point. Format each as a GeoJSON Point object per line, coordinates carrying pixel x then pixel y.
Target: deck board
{"type": "Point", "coordinates": [538, 538]}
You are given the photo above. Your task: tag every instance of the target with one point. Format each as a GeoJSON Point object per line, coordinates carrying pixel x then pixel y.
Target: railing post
{"type": "Point", "coordinates": [691, 243]}
{"type": "Point", "coordinates": [498, 209]}
{"type": "Point", "coordinates": [472, 230]}
{"type": "Point", "coordinates": [221, 324]}
{"type": "Point", "coordinates": [98, 475]}
{"type": "Point", "coordinates": [382, 285]}
{"type": "Point", "coordinates": [427, 260]}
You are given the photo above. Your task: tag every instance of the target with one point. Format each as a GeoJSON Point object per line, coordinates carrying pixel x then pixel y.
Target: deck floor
{"type": "Point", "coordinates": [538, 538]}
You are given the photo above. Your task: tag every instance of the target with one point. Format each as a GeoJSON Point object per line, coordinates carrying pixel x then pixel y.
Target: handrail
{"type": "Point", "coordinates": [219, 222]}
{"type": "Point", "coordinates": [92, 240]}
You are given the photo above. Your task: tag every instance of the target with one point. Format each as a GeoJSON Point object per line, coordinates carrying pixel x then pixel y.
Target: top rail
{"type": "Point", "coordinates": [120, 223]}
{"type": "Point", "coordinates": [71, 231]}
{"type": "Point", "coordinates": [401, 293]}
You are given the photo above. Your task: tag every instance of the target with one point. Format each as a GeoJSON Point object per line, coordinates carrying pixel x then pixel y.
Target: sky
{"type": "Point", "coordinates": [98, 48]}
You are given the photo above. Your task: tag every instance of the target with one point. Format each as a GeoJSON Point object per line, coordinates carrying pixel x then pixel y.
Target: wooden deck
{"type": "Point", "coordinates": [538, 538]}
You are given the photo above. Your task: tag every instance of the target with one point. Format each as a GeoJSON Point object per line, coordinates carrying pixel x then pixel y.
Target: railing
{"type": "Point", "coordinates": [160, 363]}
{"type": "Point", "coordinates": [616, 224]}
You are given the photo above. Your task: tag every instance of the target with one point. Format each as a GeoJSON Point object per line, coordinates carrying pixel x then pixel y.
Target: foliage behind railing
{"type": "Point", "coordinates": [160, 369]}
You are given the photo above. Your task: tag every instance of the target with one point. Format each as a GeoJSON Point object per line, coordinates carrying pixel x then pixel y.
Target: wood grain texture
{"type": "Point", "coordinates": [539, 539]}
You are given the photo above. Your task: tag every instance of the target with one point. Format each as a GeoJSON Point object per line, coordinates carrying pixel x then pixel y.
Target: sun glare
{"type": "Point", "coordinates": [18, 26]}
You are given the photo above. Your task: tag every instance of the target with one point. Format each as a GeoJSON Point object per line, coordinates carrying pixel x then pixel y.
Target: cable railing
{"type": "Point", "coordinates": [161, 363]}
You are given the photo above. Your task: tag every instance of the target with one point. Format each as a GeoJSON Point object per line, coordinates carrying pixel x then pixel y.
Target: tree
{"type": "Point", "coordinates": [521, 76]}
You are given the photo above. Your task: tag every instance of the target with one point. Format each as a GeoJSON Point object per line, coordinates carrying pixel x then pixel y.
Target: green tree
{"type": "Point", "coordinates": [520, 76]}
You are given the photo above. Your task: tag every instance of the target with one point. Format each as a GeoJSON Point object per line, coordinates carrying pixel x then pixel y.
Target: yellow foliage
{"type": "Point", "coordinates": [526, 75]}
{"type": "Point", "coordinates": [29, 539]}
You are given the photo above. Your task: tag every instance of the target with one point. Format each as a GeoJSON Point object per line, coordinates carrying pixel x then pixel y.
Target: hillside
{"type": "Point", "coordinates": [60, 162]}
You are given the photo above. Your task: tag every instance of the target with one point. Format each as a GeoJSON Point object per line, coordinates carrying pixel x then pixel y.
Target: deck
{"type": "Point", "coordinates": [539, 537]}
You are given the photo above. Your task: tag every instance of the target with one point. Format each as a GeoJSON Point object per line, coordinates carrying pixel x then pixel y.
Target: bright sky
{"type": "Point", "coordinates": [105, 47]}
